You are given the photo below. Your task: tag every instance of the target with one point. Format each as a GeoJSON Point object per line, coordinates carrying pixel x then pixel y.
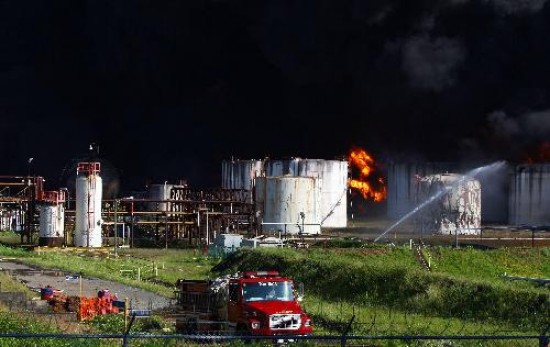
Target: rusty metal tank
{"type": "Point", "coordinates": [333, 180]}
{"type": "Point", "coordinates": [456, 208]}
{"type": "Point", "coordinates": [289, 204]}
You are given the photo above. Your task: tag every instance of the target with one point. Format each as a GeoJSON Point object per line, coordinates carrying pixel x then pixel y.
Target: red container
{"type": "Point", "coordinates": [46, 293]}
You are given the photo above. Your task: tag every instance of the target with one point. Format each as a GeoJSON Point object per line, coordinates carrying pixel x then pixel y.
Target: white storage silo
{"type": "Point", "coordinates": [289, 204]}
{"type": "Point", "coordinates": [455, 206]}
{"type": "Point", "coordinates": [332, 177]}
{"type": "Point", "coordinates": [530, 195]}
{"type": "Point", "coordinates": [88, 205]}
{"type": "Point", "coordinates": [52, 229]}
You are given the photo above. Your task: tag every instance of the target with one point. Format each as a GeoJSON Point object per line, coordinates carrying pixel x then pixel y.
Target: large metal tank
{"type": "Point", "coordinates": [452, 204]}
{"type": "Point", "coordinates": [52, 224]}
{"type": "Point", "coordinates": [332, 177]}
{"type": "Point", "coordinates": [157, 192]}
{"type": "Point", "coordinates": [88, 205]}
{"type": "Point", "coordinates": [530, 195]}
{"type": "Point", "coordinates": [402, 184]}
{"type": "Point", "coordinates": [288, 204]}
{"type": "Point", "coordinates": [240, 174]}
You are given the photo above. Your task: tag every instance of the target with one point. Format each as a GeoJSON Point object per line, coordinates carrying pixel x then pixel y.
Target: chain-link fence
{"type": "Point", "coordinates": [133, 340]}
{"type": "Point", "coordinates": [336, 324]}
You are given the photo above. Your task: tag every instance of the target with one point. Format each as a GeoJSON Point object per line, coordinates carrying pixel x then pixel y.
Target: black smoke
{"type": "Point", "coordinates": [170, 89]}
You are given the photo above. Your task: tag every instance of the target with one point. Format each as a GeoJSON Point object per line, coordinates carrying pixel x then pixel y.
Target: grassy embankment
{"type": "Point", "coordinates": [384, 288]}
{"type": "Point", "coordinates": [389, 294]}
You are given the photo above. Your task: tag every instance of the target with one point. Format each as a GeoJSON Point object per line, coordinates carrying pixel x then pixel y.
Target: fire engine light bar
{"type": "Point", "coordinates": [253, 274]}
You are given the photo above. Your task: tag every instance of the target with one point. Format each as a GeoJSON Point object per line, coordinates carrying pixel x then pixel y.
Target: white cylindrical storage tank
{"type": "Point", "coordinates": [401, 184]}
{"type": "Point", "coordinates": [281, 167]}
{"type": "Point", "coordinates": [158, 192]}
{"type": "Point", "coordinates": [333, 178]}
{"type": "Point", "coordinates": [88, 206]}
{"type": "Point", "coordinates": [52, 225]}
{"type": "Point", "coordinates": [455, 205]}
{"type": "Point", "coordinates": [240, 174]}
{"type": "Point", "coordinates": [530, 195]}
{"type": "Point", "coordinates": [289, 204]}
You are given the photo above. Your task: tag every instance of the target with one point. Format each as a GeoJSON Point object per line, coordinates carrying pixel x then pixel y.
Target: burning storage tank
{"type": "Point", "coordinates": [289, 204]}
{"type": "Point", "coordinates": [453, 204]}
{"type": "Point", "coordinates": [88, 205]}
{"type": "Point", "coordinates": [530, 195]}
{"type": "Point", "coordinates": [332, 176]}
{"type": "Point", "coordinates": [52, 219]}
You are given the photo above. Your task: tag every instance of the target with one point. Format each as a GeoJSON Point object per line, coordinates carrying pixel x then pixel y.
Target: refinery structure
{"type": "Point", "coordinates": [287, 198]}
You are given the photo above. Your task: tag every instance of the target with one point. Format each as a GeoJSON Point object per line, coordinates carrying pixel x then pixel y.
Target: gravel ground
{"type": "Point", "coordinates": [71, 285]}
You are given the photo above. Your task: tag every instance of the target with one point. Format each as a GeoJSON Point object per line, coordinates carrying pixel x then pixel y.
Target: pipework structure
{"type": "Point", "coordinates": [19, 196]}
{"type": "Point", "coordinates": [190, 216]}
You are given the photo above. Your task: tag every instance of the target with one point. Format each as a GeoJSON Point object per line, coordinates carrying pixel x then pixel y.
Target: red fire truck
{"type": "Point", "coordinates": [248, 303]}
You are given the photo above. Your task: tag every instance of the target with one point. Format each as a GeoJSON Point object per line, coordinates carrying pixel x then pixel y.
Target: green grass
{"type": "Point", "coordinates": [383, 287]}
{"type": "Point", "coordinates": [390, 278]}
{"type": "Point", "coordinates": [491, 264]}
{"type": "Point", "coordinates": [170, 265]}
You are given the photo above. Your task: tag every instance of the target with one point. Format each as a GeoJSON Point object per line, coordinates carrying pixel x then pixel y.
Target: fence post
{"type": "Point", "coordinates": [125, 337]}
{"type": "Point", "coordinates": [543, 339]}
{"type": "Point", "coordinates": [346, 331]}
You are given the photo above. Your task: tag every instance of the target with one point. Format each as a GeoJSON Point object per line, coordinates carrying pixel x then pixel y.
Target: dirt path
{"type": "Point", "coordinates": [71, 285]}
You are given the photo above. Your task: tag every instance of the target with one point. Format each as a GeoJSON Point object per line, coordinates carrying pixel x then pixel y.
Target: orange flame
{"type": "Point", "coordinates": [540, 154]}
{"type": "Point", "coordinates": [365, 163]}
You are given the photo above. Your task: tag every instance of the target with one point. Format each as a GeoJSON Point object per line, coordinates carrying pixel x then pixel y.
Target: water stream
{"type": "Point", "coordinates": [470, 174]}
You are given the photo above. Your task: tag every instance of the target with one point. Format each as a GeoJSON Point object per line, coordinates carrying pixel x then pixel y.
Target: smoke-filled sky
{"type": "Point", "coordinates": [169, 89]}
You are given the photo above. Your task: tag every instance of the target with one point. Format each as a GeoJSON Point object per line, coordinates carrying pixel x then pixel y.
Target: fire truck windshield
{"type": "Point", "coordinates": [268, 291]}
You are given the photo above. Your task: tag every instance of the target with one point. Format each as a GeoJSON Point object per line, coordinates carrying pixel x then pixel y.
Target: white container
{"type": "Point", "coordinates": [402, 184]}
{"type": "Point", "coordinates": [88, 208]}
{"type": "Point", "coordinates": [457, 210]}
{"type": "Point", "coordinates": [530, 195]}
{"type": "Point", "coordinates": [289, 205]}
{"type": "Point", "coordinates": [333, 180]}
{"type": "Point", "coordinates": [52, 217]}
